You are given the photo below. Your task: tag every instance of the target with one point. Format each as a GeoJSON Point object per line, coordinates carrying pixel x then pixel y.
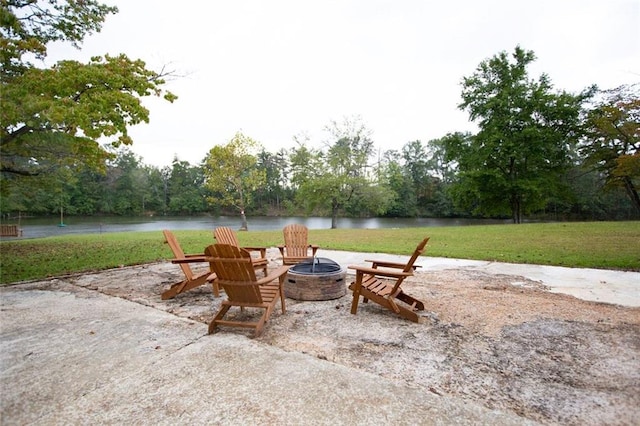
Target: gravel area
{"type": "Point", "coordinates": [551, 358]}
{"type": "Point", "coordinates": [499, 340]}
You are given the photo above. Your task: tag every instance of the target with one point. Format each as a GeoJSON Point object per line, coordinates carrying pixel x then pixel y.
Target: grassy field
{"type": "Point", "coordinates": [604, 245]}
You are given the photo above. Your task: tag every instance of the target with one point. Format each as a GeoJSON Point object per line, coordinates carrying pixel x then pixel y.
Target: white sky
{"type": "Point", "coordinates": [275, 69]}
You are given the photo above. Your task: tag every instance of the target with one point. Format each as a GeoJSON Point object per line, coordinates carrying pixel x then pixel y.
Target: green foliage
{"type": "Point", "coordinates": [419, 171]}
{"type": "Point", "coordinates": [53, 118]}
{"type": "Point", "coordinates": [187, 194]}
{"type": "Point", "coordinates": [586, 199]}
{"type": "Point", "coordinates": [232, 174]}
{"type": "Point", "coordinates": [403, 202]}
{"type": "Point", "coordinates": [370, 200]}
{"type": "Point", "coordinates": [612, 141]}
{"type": "Point", "coordinates": [274, 192]}
{"type": "Point", "coordinates": [522, 162]}
{"type": "Point", "coordinates": [524, 144]}
{"type": "Point", "coordinates": [305, 163]}
{"type": "Point", "coordinates": [26, 27]}
{"type": "Point", "coordinates": [337, 179]}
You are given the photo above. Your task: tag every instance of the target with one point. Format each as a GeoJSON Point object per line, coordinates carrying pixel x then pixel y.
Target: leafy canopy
{"type": "Point", "coordinates": [612, 139]}
{"type": "Point", "coordinates": [231, 173]}
{"type": "Point", "coordinates": [27, 26]}
{"type": "Point", "coordinates": [55, 117]}
{"type": "Point", "coordinates": [527, 133]}
{"type": "Point", "coordinates": [338, 177]}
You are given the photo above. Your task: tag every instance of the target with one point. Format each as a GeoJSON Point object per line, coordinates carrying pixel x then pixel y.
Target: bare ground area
{"type": "Point", "coordinates": [499, 340]}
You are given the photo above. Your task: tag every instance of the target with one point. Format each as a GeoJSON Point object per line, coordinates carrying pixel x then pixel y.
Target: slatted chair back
{"type": "Point", "coordinates": [417, 253]}
{"type": "Point", "coordinates": [235, 272]}
{"type": "Point", "coordinates": [191, 279]}
{"type": "Point", "coordinates": [225, 235]}
{"type": "Point", "coordinates": [409, 266]}
{"type": "Point", "coordinates": [296, 240]}
{"type": "Point", "coordinates": [178, 253]}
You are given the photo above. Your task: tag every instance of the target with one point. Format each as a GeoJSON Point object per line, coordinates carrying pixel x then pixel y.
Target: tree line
{"type": "Point", "coordinates": [539, 152]}
{"type": "Point", "coordinates": [347, 178]}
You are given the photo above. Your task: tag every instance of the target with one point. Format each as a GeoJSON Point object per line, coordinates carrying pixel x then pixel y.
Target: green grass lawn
{"type": "Point", "coordinates": [605, 245]}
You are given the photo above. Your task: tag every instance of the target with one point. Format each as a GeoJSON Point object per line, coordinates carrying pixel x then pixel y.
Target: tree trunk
{"type": "Point", "coordinates": [244, 226]}
{"type": "Point", "coordinates": [516, 209]}
{"type": "Point", "coordinates": [334, 215]}
{"type": "Point", "coordinates": [632, 193]}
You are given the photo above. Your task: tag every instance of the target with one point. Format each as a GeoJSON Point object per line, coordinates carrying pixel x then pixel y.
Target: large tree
{"type": "Point", "coordinates": [338, 175]}
{"type": "Point", "coordinates": [527, 133]}
{"type": "Point", "coordinates": [612, 140]}
{"type": "Point", "coordinates": [232, 174]}
{"type": "Point", "coordinates": [72, 113]}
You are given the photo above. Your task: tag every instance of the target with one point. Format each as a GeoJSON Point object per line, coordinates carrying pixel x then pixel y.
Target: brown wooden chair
{"type": "Point", "coordinates": [191, 280]}
{"type": "Point", "coordinates": [225, 235]}
{"type": "Point", "coordinates": [10, 231]}
{"type": "Point", "coordinates": [237, 276]}
{"type": "Point", "coordinates": [382, 282]}
{"type": "Point", "coordinates": [296, 246]}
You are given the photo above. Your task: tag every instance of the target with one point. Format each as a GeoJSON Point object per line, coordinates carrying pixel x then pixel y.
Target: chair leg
{"type": "Point", "coordinates": [180, 287]}
{"type": "Point", "coordinates": [356, 287]}
{"type": "Point", "coordinates": [260, 323]}
{"type": "Point", "coordinates": [392, 305]}
{"type": "Point", "coordinates": [282, 296]}
{"type": "Point", "coordinates": [215, 287]}
{"type": "Point", "coordinates": [219, 316]}
{"type": "Point", "coordinates": [173, 291]}
{"type": "Point", "coordinates": [354, 303]}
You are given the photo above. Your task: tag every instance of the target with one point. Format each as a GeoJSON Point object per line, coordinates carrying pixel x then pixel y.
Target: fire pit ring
{"type": "Point", "coordinates": [315, 279]}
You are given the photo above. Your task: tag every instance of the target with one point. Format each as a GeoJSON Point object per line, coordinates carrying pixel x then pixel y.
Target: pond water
{"type": "Point", "coordinates": [45, 227]}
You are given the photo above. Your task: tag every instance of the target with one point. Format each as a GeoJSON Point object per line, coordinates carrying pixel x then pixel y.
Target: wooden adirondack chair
{"type": "Point", "coordinates": [10, 231]}
{"type": "Point", "coordinates": [225, 235]}
{"type": "Point", "coordinates": [237, 276]}
{"type": "Point", "coordinates": [296, 245]}
{"type": "Point", "coordinates": [191, 280]}
{"type": "Point", "coordinates": [382, 282]}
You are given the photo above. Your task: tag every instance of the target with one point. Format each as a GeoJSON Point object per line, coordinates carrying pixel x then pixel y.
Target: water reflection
{"type": "Point", "coordinates": [44, 227]}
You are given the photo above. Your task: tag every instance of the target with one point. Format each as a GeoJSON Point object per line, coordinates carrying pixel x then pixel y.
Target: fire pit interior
{"type": "Point", "coordinates": [315, 279]}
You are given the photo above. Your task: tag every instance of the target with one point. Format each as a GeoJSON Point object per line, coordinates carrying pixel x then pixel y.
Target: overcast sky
{"type": "Point", "coordinates": [279, 68]}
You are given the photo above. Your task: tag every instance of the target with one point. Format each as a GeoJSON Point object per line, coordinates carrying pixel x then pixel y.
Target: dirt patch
{"type": "Point", "coordinates": [500, 340]}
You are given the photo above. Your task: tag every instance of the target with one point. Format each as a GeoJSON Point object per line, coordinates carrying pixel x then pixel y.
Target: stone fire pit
{"type": "Point", "coordinates": [315, 279]}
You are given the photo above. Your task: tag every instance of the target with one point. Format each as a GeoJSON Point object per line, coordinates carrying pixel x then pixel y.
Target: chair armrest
{"type": "Point", "coordinates": [314, 248]}
{"type": "Point", "coordinates": [380, 272]}
{"type": "Point", "coordinates": [262, 250]}
{"type": "Point", "coordinates": [273, 275]}
{"type": "Point", "coordinates": [193, 259]}
{"type": "Point", "coordinates": [385, 264]}
{"type": "Point", "coordinates": [281, 248]}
